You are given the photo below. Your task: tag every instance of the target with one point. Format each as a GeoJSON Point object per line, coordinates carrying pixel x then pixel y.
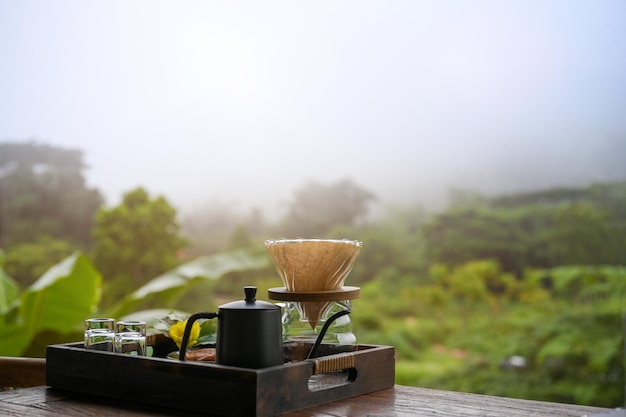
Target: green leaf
{"type": "Point", "coordinates": [208, 332]}
{"type": "Point", "coordinates": [64, 296]}
{"type": "Point", "coordinates": [208, 267]}
{"type": "Point", "coordinates": [182, 278]}
{"type": "Point", "coordinates": [15, 339]}
{"type": "Point", "coordinates": [158, 319]}
{"type": "Point", "coordinates": [9, 290]}
{"type": "Point", "coordinates": [59, 301]}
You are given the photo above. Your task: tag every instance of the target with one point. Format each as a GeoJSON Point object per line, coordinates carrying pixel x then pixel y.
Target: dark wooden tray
{"type": "Point", "coordinates": [204, 387]}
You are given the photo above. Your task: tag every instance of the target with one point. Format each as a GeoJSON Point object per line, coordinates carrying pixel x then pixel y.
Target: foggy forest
{"type": "Point", "coordinates": [514, 294]}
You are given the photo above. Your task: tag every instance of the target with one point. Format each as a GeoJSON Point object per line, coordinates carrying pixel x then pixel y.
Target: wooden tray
{"type": "Point", "coordinates": [205, 387]}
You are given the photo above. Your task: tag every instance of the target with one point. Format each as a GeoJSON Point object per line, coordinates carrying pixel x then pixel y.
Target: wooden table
{"type": "Point", "coordinates": [400, 401]}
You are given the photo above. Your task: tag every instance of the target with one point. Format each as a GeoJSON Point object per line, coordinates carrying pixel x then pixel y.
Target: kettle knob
{"type": "Point", "coordinates": [250, 294]}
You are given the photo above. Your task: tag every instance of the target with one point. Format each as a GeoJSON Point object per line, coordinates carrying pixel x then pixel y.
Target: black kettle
{"type": "Point", "coordinates": [249, 333]}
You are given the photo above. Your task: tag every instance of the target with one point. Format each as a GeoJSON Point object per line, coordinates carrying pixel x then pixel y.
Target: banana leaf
{"type": "Point", "coordinates": [167, 287]}
{"type": "Point", "coordinates": [57, 302]}
{"type": "Point", "coordinates": [9, 290]}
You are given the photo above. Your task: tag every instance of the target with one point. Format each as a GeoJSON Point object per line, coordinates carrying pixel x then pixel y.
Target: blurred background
{"type": "Point", "coordinates": [476, 148]}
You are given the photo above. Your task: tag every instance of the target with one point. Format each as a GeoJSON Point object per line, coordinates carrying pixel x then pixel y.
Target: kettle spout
{"type": "Point", "coordinates": [190, 321]}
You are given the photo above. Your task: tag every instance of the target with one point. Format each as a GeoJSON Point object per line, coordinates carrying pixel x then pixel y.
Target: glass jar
{"type": "Point", "coordinates": [303, 322]}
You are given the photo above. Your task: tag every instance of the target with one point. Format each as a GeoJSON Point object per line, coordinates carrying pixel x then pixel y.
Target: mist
{"type": "Point", "coordinates": [241, 103]}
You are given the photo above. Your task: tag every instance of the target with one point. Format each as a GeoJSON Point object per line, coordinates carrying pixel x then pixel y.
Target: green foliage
{"type": "Point", "coordinates": [572, 357]}
{"type": "Point", "coordinates": [539, 230]}
{"type": "Point", "coordinates": [36, 184]}
{"type": "Point", "coordinates": [586, 284]}
{"type": "Point", "coordinates": [26, 262]}
{"type": "Point", "coordinates": [135, 241]}
{"type": "Point", "coordinates": [456, 332]}
{"type": "Point", "coordinates": [57, 303]}
{"type": "Point", "coordinates": [8, 288]}
{"type": "Point", "coordinates": [585, 230]}
{"type": "Point", "coordinates": [207, 334]}
{"type": "Point", "coordinates": [465, 234]}
{"type": "Point", "coordinates": [167, 289]}
{"type": "Point", "coordinates": [54, 308]}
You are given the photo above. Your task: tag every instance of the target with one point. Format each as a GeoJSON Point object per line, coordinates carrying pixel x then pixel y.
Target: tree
{"type": "Point", "coordinates": [135, 242]}
{"type": "Point", "coordinates": [465, 234]}
{"type": "Point", "coordinates": [541, 229]}
{"type": "Point", "coordinates": [43, 193]}
{"type": "Point", "coordinates": [580, 236]}
{"type": "Point", "coordinates": [317, 208]}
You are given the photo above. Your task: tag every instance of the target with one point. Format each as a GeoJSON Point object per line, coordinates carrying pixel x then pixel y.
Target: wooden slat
{"type": "Point", "coordinates": [22, 372]}
{"type": "Point", "coordinates": [399, 401]}
{"type": "Point", "coordinates": [343, 293]}
{"type": "Point", "coordinates": [404, 401]}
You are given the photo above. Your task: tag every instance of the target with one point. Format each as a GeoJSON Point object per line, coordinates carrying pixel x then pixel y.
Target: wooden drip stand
{"type": "Point", "coordinates": [341, 294]}
{"type": "Point", "coordinates": [314, 303]}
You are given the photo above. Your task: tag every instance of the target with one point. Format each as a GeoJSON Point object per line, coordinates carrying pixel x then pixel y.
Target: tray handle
{"type": "Point", "coordinates": [332, 363]}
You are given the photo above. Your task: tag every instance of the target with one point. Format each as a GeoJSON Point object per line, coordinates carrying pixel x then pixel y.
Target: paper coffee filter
{"type": "Point", "coordinates": [310, 265]}
{"type": "Point", "coordinates": [313, 311]}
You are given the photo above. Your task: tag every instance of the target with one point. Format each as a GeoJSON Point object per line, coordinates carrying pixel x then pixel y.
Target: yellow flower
{"type": "Point", "coordinates": [178, 329]}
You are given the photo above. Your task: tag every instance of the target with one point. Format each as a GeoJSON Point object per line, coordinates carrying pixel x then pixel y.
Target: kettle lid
{"type": "Point", "coordinates": [250, 302]}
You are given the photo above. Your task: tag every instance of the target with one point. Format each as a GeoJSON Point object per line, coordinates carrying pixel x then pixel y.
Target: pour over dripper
{"type": "Point", "coordinates": [308, 265]}
{"type": "Point", "coordinates": [313, 272]}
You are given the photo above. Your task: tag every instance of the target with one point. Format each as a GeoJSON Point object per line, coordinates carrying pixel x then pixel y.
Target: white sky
{"type": "Point", "coordinates": [244, 101]}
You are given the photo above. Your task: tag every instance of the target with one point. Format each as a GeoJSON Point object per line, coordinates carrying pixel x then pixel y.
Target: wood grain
{"type": "Point", "coordinates": [340, 294]}
{"type": "Point", "coordinates": [22, 372]}
{"type": "Point", "coordinates": [399, 401]}
{"type": "Point", "coordinates": [404, 401]}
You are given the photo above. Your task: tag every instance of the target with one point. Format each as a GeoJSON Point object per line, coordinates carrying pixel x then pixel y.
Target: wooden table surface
{"type": "Point", "coordinates": [399, 401]}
